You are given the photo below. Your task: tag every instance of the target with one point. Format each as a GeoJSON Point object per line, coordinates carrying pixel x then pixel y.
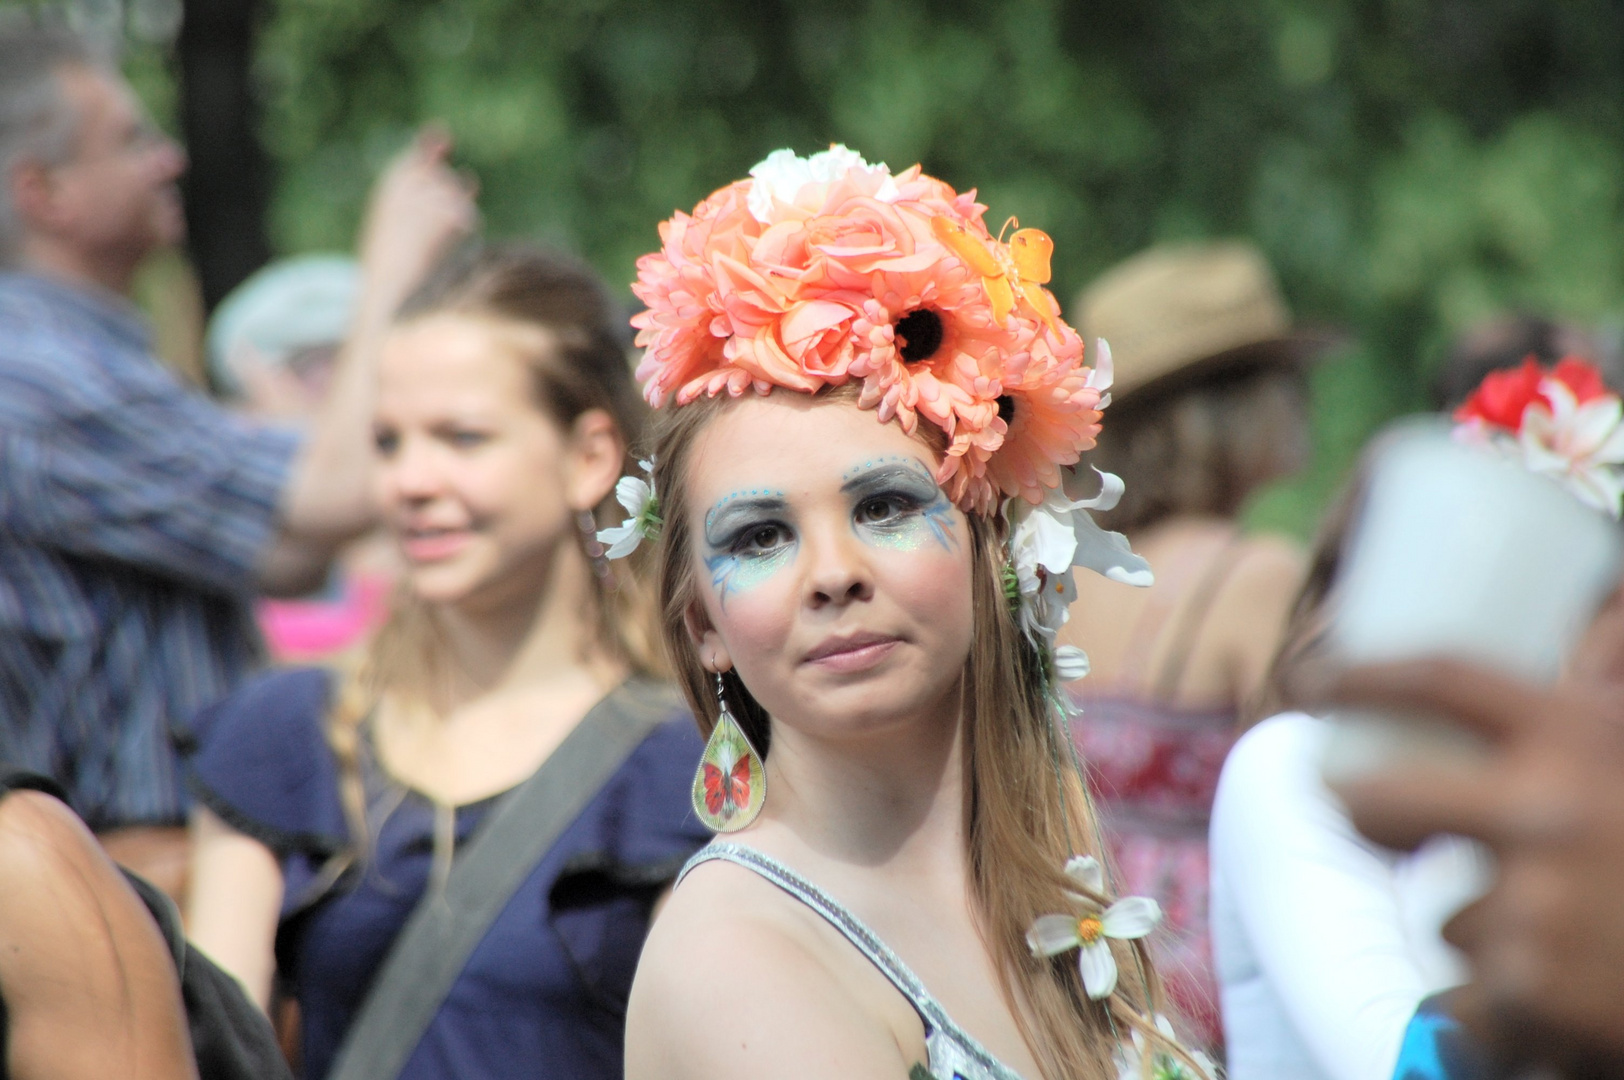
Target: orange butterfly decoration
{"type": "Point", "coordinates": [1017, 269]}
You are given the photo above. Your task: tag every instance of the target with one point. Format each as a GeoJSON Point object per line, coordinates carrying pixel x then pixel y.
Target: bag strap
{"type": "Point", "coordinates": [445, 926]}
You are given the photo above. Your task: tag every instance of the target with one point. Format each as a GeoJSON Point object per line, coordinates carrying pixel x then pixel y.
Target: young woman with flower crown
{"type": "Point", "coordinates": [870, 404]}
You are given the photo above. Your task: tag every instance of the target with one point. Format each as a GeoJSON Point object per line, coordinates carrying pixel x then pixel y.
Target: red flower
{"type": "Point", "coordinates": [1581, 377]}
{"type": "Point", "coordinates": [1501, 397]}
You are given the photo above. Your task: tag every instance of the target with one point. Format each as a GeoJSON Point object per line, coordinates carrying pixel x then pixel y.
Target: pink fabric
{"type": "Point", "coordinates": [303, 630]}
{"type": "Point", "coordinates": [1153, 771]}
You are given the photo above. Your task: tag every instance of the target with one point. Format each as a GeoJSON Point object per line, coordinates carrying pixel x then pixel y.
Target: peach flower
{"type": "Point", "coordinates": [1051, 412]}
{"type": "Point", "coordinates": [680, 327]}
{"type": "Point", "coordinates": [823, 270]}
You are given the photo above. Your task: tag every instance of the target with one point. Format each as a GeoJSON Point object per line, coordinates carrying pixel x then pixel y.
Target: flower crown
{"type": "Point", "coordinates": [827, 270]}
{"type": "Point", "coordinates": [1560, 421]}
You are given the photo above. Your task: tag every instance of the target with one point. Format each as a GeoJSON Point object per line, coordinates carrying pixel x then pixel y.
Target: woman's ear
{"type": "Point", "coordinates": [712, 649]}
{"type": "Point", "coordinates": [595, 454]}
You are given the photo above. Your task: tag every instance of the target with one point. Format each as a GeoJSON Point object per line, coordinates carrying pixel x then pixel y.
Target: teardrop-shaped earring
{"type": "Point", "coordinates": [731, 784]}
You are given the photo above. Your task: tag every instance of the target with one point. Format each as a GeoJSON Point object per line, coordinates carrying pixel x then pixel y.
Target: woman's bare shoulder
{"type": "Point", "coordinates": [61, 889]}
{"type": "Point", "coordinates": [45, 849]}
{"type": "Point", "coordinates": [739, 981]}
{"type": "Point", "coordinates": [1266, 570]}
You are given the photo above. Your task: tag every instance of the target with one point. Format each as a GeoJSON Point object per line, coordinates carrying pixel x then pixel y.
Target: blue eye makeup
{"type": "Point", "coordinates": [897, 504]}
{"type": "Point", "coordinates": [748, 540]}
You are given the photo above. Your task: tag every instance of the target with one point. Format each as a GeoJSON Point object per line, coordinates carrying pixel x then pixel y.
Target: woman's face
{"type": "Point", "coordinates": [835, 574]}
{"type": "Point", "coordinates": [477, 484]}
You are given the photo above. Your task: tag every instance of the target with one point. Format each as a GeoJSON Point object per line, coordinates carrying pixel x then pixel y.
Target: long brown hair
{"type": "Point", "coordinates": [1303, 649]}
{"type": "Point", "coordinates": [1026, 807]}
{"type": "Point", "coordinates": [1202, 448]}
{"type": "Point", "coordinates": [585, 366]}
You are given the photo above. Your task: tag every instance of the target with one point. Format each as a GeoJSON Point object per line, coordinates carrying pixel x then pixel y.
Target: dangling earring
{"type": "Point", "coordinates": [588, 524]}
{"type": "Point", "coordinates": [731, 784]}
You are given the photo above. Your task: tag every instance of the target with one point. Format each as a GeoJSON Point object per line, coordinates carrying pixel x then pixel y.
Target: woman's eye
{"type": "Point", "coordinates": [385, 442]}
{"type": "Point", "coordinates": [881, 509]}
{"type": "Point", "coordinates": [761, 538]}
{"type": "Point", "coordinates": [465, 439]}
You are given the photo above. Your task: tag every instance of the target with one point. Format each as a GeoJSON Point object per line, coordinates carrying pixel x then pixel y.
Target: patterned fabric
{"type": "Point", "coordinates": [1436, 1047]}
{"type": "Point", "coordinates": [1153, 771]}
{"type": "Point", "coordinates": [954, 1053]}
{"type": "Point", "coordinates": [132, 513]}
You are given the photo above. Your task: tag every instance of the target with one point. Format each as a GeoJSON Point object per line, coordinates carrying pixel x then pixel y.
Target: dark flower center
{"type": "Point", "coordinates": [921, 335]}
{"type": "Point", "coordinates": [1006, 408]}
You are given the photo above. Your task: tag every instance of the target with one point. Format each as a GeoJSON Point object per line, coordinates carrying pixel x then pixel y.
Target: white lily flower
{"type": "Point", "coordinates": [1048, 539]}
{"type": "Point", "coordinates": [1101, 375]}
{"type": "Point", "coordinates": [1581, 446]}
{"type": "Point", "coordinates": [1125, 919]}
{"type": "Point", "coordinates": [782, 174]}
{"type": "Point", "coordinates": [1070, 663]}
{"type": "Point", "coordinates": [643, 510]}
{"type": "Point", "coordinates": [1100, 550]}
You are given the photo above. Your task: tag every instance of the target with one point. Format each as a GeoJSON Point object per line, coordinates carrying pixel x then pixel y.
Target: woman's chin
{"type": "Point", "coordinates": [450, 583]}
{"type": "Point", "coordinates": [865, 708]}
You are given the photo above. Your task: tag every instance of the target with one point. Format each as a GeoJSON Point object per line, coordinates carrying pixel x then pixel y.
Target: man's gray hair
{"type": "Point", "coordinates": [37, 122]}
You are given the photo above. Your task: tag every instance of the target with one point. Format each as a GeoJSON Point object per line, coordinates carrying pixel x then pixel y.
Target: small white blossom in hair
{"type": "Point", "coordinates": [1070, 663]}
{"type": "Point", "coordinates": [1125, 919]}
{"type": "Point", "coordinates": [1130, 1059]}
{"type": "Point", "coordinates": [643, 505]}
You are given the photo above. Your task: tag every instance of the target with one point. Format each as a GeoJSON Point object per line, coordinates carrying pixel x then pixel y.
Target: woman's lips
{"type": "Point", "coordinates": [858, 653]}
{"type": "Point", "coordinates": [435, 545]}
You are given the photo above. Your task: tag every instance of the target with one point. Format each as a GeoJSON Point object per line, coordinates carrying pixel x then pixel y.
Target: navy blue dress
{"type": "Point", "coordinates": [545, 993]}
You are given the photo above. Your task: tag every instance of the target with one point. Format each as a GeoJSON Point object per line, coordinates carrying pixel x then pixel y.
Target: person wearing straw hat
{"type": "Point", "coordinates": [1211, 405]}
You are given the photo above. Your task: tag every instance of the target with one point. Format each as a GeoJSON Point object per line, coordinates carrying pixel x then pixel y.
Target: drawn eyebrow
{"type": "Point", "coordinates": [904, 473]}
{"type": "Point", "coordinates": [732, 510]}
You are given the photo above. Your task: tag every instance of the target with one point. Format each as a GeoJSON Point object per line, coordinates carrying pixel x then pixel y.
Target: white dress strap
{"type": "Point", "coordinates": [954, 1053]}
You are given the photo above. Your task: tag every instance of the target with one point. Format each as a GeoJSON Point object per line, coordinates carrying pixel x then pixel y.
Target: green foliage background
{"type": "Point", "coordinates": [1410, 166]}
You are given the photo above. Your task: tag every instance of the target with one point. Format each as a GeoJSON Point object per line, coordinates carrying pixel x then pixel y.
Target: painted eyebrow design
{"type": "Point", "coordinates": [900, 472]}
{"type": "Point", "coordinates": [736, 507]}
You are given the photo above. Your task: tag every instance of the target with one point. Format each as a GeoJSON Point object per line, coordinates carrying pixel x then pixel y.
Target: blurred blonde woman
{"type": "Point", "coordinates": [330, 806]}
{"type": "Point", "coordinates": [855, 497]}
{"type": "Point", "coordinates": [1209, 405]}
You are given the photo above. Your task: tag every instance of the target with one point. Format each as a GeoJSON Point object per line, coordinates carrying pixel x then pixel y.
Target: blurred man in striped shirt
{"type": "Point", "coordinates": [137, 518]}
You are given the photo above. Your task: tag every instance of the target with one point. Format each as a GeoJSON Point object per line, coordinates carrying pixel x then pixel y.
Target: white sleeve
{"type": "Point", "coordinates": [1315, 901]}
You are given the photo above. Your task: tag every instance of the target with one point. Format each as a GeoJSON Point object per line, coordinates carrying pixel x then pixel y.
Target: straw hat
{"type": "Point", "coordinates": [1180, 310]}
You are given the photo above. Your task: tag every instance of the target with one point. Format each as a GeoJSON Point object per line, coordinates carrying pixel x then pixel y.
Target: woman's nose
{"type": "Point", "coordinates": [838, 571]}
{"type": "Point", "coordinates": [412, 472]}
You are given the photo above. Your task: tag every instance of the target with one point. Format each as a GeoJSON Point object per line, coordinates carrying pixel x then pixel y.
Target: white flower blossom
{"type": "Point", "coordinates": [1130, 1059]}
{"type": "Point", "coordinates": [1048, 539]}
{"type": "Point", "coordinates": [1580, 445]}
{"type": "Point", "coordinates": [1125, 919]}
{"type": "Point", "coordinates": [1102, 374]}
{"type": "Point", "coordinates": [1070, 663]}
{"type": "Point", "coordinates": [643, 507]}
{"type": "Point", "coordinates": [782, 174]}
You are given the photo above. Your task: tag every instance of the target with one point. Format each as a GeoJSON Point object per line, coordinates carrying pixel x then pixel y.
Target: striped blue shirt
{"type": "Point", "coordinates": [133, 512]}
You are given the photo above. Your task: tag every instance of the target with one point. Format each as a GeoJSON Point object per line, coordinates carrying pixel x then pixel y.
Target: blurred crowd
{"type": "Point", "coordinates": [317, 608]}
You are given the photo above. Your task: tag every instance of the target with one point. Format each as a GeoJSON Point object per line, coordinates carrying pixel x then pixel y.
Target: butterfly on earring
{"type": "Point", "coordinates": [727, 791]}
{"type": "Point", "coordinates": [731, 783]}
{"type": "Point", "coordinates": [1018, 269]}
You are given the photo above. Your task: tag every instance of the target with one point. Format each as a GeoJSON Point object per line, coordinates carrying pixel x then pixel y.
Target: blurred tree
{"type": "Point", "coordinates": [1409, 165]}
